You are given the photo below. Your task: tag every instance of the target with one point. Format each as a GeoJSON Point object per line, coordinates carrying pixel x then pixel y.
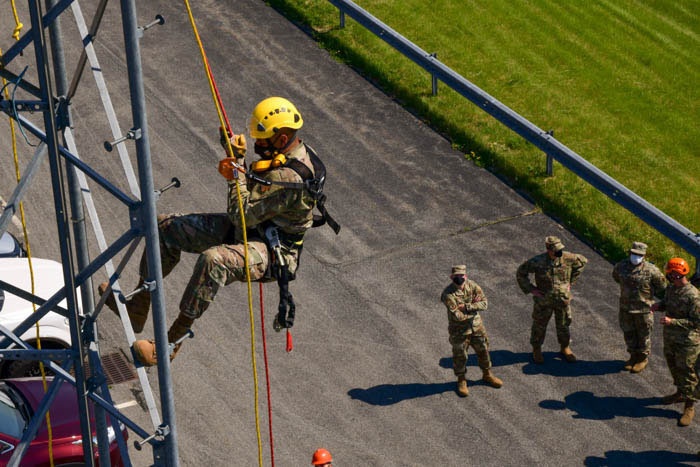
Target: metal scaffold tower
{"type": "Point", "coordinates": [50, 97]}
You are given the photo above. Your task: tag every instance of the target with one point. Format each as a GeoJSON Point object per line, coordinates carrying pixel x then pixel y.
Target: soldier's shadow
{"type": "Point", "coordinates": [553, 365]}
{"type": "Point", "coordinates": [388, 394]}
{"type": "Point", "coordinates": [588, 406]}
{"type": "Point", "coordinates": [650, 458]}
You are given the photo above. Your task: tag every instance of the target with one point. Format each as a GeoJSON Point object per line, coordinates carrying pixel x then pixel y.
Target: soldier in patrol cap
{"type": "Point", "coordinates": [640, 281]}
{"type": "Point", "coordinates": [555, 271]}
{"type": "Point", "coordinates": [218, 237]}
{"type": "Point", "coordinates": [464, 300]}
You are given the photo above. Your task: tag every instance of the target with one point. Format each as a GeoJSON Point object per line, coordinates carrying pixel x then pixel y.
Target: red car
{"type": "Point", "coordinates": [19, 398]}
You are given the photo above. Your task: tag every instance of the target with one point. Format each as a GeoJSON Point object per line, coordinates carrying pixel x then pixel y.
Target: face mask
{"type": "Point", "coordinates": [459, 280]}
{"type": "Point", "coordinates": [266, 152]}
{"type": "Point", "coordinates": [559, 253]}
{"type": "Point", "coordinates": [636, 259]}
{"type": "Point", "coordinates": [672, 277]}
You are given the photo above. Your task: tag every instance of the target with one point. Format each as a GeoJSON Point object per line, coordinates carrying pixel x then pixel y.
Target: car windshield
{"type": "Point", "coordinates": [12, 421]}
{"type": "Point", "coordinates": [9, 247]}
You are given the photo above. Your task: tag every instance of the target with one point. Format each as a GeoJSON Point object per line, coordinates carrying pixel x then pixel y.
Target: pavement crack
{"type": "Point", "coordinates": [412, 245]}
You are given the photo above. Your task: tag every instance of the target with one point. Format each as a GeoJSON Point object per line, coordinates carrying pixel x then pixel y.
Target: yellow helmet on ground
{"type": "Point", "coordinates": [271, 115]}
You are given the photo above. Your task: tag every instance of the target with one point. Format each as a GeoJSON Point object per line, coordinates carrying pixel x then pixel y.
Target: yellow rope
{"type": "Point", "coordinates": [18, 24]}
{"type": "Point", "coordinates": [27, 245]}
{"type": "Point", "coordinates": [222, 123]}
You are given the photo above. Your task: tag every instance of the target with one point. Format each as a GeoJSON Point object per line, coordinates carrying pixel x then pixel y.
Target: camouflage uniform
{"type": "Point", "coordinates": [682, 337]}
{"type": "Point", "coordinates": [554, 278]}
{"type": "Point", "coordinates": [466, 328]}
{"type": "Point", "coordinates": [218, 238]}
{"type": "Point", "coordinates": [639, 284]}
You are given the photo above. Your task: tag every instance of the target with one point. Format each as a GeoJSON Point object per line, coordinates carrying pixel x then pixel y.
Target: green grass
{"type": "Point", "coordinates": [617, 81]}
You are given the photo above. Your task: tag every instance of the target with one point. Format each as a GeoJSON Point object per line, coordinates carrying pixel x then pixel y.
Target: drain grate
{"type": "Point", "coordinates": [117, 368]}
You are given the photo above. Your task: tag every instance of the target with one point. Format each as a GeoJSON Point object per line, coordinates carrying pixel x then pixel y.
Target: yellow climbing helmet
{"type": "Point", "coordinates": [272, 114]}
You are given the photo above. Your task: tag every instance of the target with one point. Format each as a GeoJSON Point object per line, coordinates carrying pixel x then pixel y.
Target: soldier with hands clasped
{"type": "Point", "coordinates": [464, 300]}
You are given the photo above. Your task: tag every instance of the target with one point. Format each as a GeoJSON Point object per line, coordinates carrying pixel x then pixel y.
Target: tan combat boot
{"type": "Point", "coordinates": [462, 386]}
{"type": "Point", "coordinates": [568, 354]}
{"type": "Point", "coordinates": [673, 398]}
{"type": "Point", "coordinates": [642, 362]}
{"type": "Point", "coordinates": [688, 414]}
{"type": "Point", "coordinates": [537, 356]}
{"type": "Point", "coordinates": [630, 363]}
{"type": "Point", "coordinates": [491, 380]}
{"type": "Point", "coordinates": [137, 307]}
{"type": "Point", "coordinates": [145, 350]}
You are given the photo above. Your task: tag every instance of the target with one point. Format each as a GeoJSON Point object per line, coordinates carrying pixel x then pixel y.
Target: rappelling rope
{"type": "Point", "coordinates": [223, 122]}
{"type": "Point", "coordinates": [267, 375]}
{"type": "Point", "coordinates": [18, 23]}
{"type": "Point", "coordinates": [26, 242]}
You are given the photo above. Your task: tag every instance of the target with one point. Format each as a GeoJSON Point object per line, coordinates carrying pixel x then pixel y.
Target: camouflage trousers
{"type": "Point", "coordinates": [461, 340]}
{"type": "Point", "coordinates": [681, 358]}
{"type": "Point", "coordinates": [219, 262]}
{"type": "Point", "coordinates": [541, 314]}
{"type": "Point", "coordinates": [636, 329]}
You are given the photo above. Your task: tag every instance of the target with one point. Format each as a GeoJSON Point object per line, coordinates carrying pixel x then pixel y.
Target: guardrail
{"type": "Point", "coordinates": [607, 185]}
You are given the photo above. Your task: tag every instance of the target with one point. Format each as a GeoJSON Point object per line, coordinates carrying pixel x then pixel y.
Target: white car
{"type": "Point", "coordinates": [54, 330]}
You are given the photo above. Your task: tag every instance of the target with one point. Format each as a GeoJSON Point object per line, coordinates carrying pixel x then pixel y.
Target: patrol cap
{"type": "Point", "coordinates": [553, 243]}
{"type": "Point", "coordinates": [459, 269]}
{"type": "Point", "coordinates": [639, 248]}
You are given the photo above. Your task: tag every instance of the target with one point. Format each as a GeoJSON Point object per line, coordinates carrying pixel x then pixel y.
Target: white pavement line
{"type": "Point", "coordinates": [126, 404]}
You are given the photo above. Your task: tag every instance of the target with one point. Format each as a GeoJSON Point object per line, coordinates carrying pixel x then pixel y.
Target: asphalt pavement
{"type": "Point", "coordinates": [370, 375]}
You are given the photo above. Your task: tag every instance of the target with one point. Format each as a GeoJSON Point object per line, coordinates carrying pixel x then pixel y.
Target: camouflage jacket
{"type": "Point", "coordinates": [682, 305]}
{"type": "Point", "coordinates": [638, 285]}
{"type": "Point", "coordinates": [289, 209]}
{"type": "Point", "coordinates": [552, 276]}
{"type": "Point", "coordinates": [473, 299]}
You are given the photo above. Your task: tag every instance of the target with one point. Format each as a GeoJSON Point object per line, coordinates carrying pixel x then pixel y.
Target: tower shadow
{"type": "Point", "coordinates": [389, 394]}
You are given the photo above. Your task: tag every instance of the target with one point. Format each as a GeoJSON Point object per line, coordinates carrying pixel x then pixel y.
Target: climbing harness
{"type": "Point", "coordinates": [313, 184]}
{"type": "Point", "coordinates": [278, 267]}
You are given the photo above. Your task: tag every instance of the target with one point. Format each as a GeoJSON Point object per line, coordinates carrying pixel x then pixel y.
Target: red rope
{"type": "Point", "coordinates": [267, 375]}
{"type": "Point", "coordinates": [218, 96]}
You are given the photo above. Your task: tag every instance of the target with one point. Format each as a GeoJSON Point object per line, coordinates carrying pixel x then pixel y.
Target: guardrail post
{"type": "Point", "coordinates": [550, 164]}
{"type": "Point", "coordinates": [342, 18]}
{"type": "Point", "coordinates": [695, 279]}
{"type": "Point", "coordinates": [434, 78]}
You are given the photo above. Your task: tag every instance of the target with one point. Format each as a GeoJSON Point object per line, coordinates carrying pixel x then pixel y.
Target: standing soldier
{"type": "Point", "coordinates": [555, 271]}
{"type": "Point", "coordinates": [276, 202]}
{"type": "Point", "coordinates": [681, 303]}
{"type": "Point", "coordinates": [464, 299]}
{"type": "Point", "coordinates": [640, 281]}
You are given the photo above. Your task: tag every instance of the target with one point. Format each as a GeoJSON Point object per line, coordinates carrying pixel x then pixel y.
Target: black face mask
{"type": "Point", "coordinates": [459, 280]}
{"type": "Point", "coordinates": [559, 253]}
{"type": "Point", "coordinates": [266, 152]}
